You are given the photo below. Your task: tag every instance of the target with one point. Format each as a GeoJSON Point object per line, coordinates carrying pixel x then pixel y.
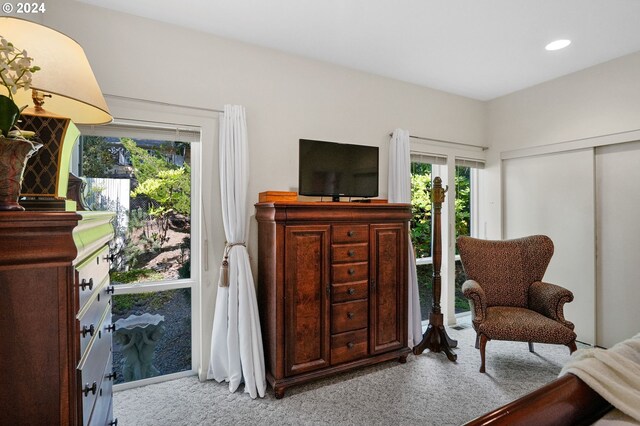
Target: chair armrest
{"type": "Point", "coordinates": [477, 299]}
{"type": "Point", "coordinates": [549, 299]}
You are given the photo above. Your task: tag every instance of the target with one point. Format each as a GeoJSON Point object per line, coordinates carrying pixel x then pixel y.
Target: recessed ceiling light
{"type": "Point", "coordinates": [558, 44]}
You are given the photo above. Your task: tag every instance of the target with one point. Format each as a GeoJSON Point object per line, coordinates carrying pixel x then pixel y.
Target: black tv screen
{"type": "Point", "coordinates": [329, 169]}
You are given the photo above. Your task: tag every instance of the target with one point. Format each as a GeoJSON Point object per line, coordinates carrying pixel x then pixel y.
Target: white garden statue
{"type": "Point", "coordinates": [138, 336]}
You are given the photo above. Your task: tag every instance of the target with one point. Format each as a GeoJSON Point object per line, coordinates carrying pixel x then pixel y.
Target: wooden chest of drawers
{"type": "Point", "coordinates": [332, 281]}
{"type": "Point", "coordinates": [94, 370]}
{"type": "Point", "coordinates": [55, 318]}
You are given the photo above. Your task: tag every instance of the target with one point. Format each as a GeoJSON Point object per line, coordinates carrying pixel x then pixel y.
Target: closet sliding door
{"type": "Point", "coordinates": [553, 194]}
{"type": "Point", "coordinates": [618, 246]}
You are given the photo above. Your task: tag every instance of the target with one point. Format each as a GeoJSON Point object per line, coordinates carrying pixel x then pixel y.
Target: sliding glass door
{"type": "Point", "coordinates": [423, 168]}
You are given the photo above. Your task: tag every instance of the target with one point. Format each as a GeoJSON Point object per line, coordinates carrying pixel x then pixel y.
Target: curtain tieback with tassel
{"type": "Point", "coordinates": [224, 268]}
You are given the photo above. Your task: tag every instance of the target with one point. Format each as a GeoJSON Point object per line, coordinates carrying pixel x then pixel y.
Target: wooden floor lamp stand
{"type": "Point", "coordinates": [435, 338]}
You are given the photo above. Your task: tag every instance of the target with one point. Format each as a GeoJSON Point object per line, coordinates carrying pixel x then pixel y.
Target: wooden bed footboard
{"type": "Point", "coordinates": [565, 401]}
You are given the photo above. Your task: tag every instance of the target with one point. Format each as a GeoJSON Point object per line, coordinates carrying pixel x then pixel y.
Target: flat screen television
{"type": "Point", "coordinates": [329, 169]}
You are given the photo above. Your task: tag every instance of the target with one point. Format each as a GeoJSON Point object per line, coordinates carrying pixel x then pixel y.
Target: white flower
{"type": "Point", "coordinates": [15, 68]}
{"type": "Point", "coordinates": [16, 71]}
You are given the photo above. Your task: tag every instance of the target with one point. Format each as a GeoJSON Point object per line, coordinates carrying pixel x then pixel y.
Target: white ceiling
{"type": "Point", "coordinates": [482, 49]}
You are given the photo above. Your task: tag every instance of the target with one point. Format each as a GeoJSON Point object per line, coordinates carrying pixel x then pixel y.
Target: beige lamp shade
{"type": "Point", "coordinates": [65, 72]}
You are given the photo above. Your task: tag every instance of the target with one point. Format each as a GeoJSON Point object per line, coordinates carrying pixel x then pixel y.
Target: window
{"type": "Point", "coordinates": [463, 227]}
{"type": "Point", "coordinates": [423, 167]}
{"type": "Point", "coordinates": [145, 175]}
{"type": "Point", "coordinates": [466, 176]}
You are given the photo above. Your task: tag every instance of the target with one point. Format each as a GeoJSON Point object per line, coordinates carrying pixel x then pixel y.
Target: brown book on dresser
{"type": "Point", "coordinates": [332, 284]}
{"type": "Point", "coordinates": [55, 318]}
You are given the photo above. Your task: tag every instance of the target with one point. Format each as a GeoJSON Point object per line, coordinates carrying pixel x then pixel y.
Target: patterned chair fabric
{"type": "Point", "coordinates": [509, 300]}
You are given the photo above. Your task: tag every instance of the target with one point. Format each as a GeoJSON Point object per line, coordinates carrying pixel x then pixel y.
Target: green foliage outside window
{"type": "Point", "coordinates": [97, 160]}
{"type": "Point", "coordinates": [421, 206]}
{"type": "Point", "coordinates": [421, 209]}
{"type": "Point", "coordinates": [463, 201]}
{"type": "Point", "coordinates": [165, 183]}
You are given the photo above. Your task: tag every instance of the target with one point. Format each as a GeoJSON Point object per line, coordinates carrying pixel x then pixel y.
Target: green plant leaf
{"type": "Point", "coordinates": [9, 113]}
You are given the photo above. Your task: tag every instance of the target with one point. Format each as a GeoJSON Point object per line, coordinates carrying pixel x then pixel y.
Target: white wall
{"type": "Point", "coordinates": [593, 107]}
{"type": "Point", "coordinates": [601, 100]}
{"type": "Point", "coordinates": [286, 98]}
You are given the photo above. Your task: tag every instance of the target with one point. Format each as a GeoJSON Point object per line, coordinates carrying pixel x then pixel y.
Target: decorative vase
{"type": "Point", "coordinates": [14, 154]}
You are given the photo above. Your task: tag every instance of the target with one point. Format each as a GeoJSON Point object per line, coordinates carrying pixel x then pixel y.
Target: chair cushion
{"type": "Point", "coordinates": [525, 325]}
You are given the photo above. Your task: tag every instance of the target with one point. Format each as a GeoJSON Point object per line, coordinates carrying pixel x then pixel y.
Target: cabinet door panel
{"type": "Point", "coordinates": [33, 327]}
{"type": "Point", "coordinates": [306, 299]}
{"type": "Point", "coordinates": [387, 296]}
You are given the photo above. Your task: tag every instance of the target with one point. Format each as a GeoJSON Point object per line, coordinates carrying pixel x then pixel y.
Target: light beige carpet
{"type": "Point", "coordinates": [427, 390]}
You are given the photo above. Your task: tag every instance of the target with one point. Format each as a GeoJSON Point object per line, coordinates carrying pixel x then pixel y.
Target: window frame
{"type": "Point", "coordinates": [170, 284]}
{"type": "Point", "coordinates": [196, 223]}
{"type": "Point", "coordinates": [447, 173]}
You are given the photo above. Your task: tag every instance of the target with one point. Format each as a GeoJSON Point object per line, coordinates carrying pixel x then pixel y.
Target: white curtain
{"type": "Point", "coordinates": [236, 341]}
{"type": "Point", "coordinates": [400, 192]}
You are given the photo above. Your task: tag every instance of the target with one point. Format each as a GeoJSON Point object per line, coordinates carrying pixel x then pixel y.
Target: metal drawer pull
{"type": "Point", "coordinates": [110, 328]}
{"type": "Point", "coordinates": [88, 330]}
{"type": "Point", "coordinates": [350, 345]}
{"type": "Point", "coordinates": [351, 271]}
{"type": "Point", "coordinates": [112, 376]}
{"type": "Point", "coordinates": [93, 388]}
{"type": "Point", "coordinates": [351, 253]}
{"type": "Point", "coordinates": [350, 315]}
{"type": "Point", "coordinates": [351, 233]}
{"type": "Point", "coordinates": [84, 284]}
{"type": "Point", "coordinates": [351, 291]}
{"type": "Point", "coordinates": [110, 289]}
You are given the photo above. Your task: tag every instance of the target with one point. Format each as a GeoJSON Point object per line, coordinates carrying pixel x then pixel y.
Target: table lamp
{"type": "Point", "coordinates": [65, 92]}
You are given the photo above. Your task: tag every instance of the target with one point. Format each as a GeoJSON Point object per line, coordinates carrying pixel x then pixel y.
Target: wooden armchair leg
{"type": "Point", "coordinates": [572, 346]}
{"type": "Point", "coordinates": [477, 341]}
{"type": "Point", "coordinates": [531, 347]}
{"type": "Point", "coordinates": [483, 345]}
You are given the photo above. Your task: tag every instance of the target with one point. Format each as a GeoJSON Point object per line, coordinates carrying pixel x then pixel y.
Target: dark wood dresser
{"type": "Point", "coordinates": [332, 283]}
{"type": "Point", "coordinates": [55, 318]}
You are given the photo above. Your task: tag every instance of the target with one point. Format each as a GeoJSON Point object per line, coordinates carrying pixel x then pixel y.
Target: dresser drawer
{"type": "Point", "coordinates": [349, 233]}
{"type": "Point", "coordinates": [349, 291]}
{"type": "Point", "coordinates": [350, 252]}
{"type": "Point", "coordinates": [349, 316]}
{"type": "Point", "coordinates": [91, 317]}
{"type": "Point", "coordinates": [348, 346]}
{"type": "Point", "coordinates": [91, 272]}
{"type": "Point", "coordinates": [102, 410]}
{"type": "Point", "coordinates": [350, 272]}
{"type": "Point", "coordinates": [91, 367]}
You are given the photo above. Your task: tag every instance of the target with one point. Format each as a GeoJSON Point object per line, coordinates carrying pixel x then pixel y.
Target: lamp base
{"type": "Point", "coordinates": [47, 173]}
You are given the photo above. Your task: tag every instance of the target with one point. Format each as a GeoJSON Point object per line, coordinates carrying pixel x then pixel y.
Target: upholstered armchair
{"type": "Point", "coordinates": [509, 300]}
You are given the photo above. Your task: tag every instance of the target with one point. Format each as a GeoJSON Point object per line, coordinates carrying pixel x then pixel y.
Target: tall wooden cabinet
{"type": "Point", "coordinates": [55, 318]}
{"type": "Point", "coordinates": [332, 282]}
